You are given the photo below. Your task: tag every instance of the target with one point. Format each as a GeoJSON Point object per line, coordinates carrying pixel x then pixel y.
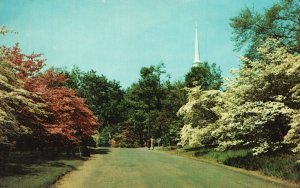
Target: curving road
{"type": "Point", "coordinates": [134, 168]}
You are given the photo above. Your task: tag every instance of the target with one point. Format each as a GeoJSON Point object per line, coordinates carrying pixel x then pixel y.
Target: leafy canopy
{"type": "Point", "coordinates": [205, 75]}
{"type": "Point", "coordinates": [280, 22]}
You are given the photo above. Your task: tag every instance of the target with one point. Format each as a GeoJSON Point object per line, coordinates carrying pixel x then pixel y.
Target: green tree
{"type": "Point", "coordinates": [135, 112]}
{"type": "Point", "coordinates": [74, 77]}
{"type": "Point", "coordinates": [150, 107]}
{"type": "Point", "coordinates": [151, 91]}
{"type": "Point", "coordinates": [205, 75]}
{"type": "Point", "coordinates": [281, 22]}
{"type": "Point", "coordinates": [169, 121]}
{"type": "Point", "coordinates": [104, 97]}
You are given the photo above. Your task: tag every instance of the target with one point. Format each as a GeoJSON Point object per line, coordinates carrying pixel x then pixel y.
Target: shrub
{"type": "Point", "coordinates": [280, 165]}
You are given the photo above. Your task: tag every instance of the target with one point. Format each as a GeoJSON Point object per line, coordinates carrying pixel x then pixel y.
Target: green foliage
{"type": "Point", "coordinates": [4, 30]}
{"type": "Point", "coordinates": [220, 156]}
{"type": "Point", "coordinates": [104, 97]}
{"type": "Point", "coordinates": [205, 75]}
{"type": "Point", "coordinates": [126, 139]}
{"type": "Point", "coordinates": [280, 165]}
{"type": "Point", "coordinates": [149, 107]}
{"type": "Point", "coordinates": [170, 124]}
{"type": "Point", "coordinates": [150, 86]}
{"type": "Point", "coordinates": [280, 22]}
{"type": "Point", "coordinates": [224, 156]}
{"type": "Point", "coordinates": [104, 136]}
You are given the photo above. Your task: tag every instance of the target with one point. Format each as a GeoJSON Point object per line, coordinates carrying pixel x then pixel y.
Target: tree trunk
{"type": "Point", "coordinates": [149, 124]}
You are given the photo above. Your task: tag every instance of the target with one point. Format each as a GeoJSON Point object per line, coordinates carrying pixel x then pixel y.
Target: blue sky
{"type": "Point", "coordinates": [118, 37]}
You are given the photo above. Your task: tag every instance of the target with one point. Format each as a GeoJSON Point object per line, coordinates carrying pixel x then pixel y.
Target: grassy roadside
{"type": "Point", "coordinates": [280, 168]}
{"type": "Point", "coordinates": [33, 172]}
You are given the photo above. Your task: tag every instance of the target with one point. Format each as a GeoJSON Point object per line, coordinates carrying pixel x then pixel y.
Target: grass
{"type": "Point", "coordinates": [280, 165]}
{"type": "Point", "coordinates": [223, 157]}
{"type": "Point", "coordinates": [128, 167]}
{"type": "Point", "coordinates": [27, 170]}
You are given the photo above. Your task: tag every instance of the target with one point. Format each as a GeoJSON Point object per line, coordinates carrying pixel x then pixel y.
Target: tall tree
{"type": "Point", "coordinates": [151, 106]}
{"type": "Point", "coordinates": [150, 90]}
{"type": "Point", "coordinates": [170, 123]}
{"type": "Point", "coordinates": [281, 22]}
{"type": "Point", "coordinates": [205, 75]}
{"type": "Point", "coordinates": [103, 96]}
{"type": "Point", "coordinates": [135, 114]}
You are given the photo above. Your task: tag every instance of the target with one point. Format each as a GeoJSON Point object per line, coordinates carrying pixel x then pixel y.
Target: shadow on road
{"type": "Point", "coordinates": [100, 150]}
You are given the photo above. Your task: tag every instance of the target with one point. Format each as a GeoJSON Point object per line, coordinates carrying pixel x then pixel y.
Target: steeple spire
{"type": "Point", "coordinates": [197, 56]}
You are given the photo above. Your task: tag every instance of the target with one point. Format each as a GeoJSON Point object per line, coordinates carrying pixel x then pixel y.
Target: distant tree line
{"type": "Point", "coordinates": [147, 108]}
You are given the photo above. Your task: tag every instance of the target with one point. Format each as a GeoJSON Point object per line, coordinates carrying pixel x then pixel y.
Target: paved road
{"type": "Point", "coordinates": [135, 168]}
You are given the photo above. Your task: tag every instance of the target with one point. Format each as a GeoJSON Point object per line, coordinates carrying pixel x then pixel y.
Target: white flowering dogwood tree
{"type": "Point", "coordinates": [259, 110]}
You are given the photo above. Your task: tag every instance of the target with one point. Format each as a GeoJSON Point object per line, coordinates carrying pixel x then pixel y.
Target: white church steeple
{"type": "Point", "coordinates": [197, 55]}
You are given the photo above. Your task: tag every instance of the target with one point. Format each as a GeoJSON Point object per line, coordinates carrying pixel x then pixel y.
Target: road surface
{"type": "Point", "coordinates": [133, 168]}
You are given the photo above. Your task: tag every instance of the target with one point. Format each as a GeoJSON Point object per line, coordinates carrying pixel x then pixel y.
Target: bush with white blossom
{"type": "Point", "coordinates": [259, 110]}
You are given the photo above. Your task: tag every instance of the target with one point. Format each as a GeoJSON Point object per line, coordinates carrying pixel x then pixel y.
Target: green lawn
{"type": "Point", "coordinates": [120, 167]}
{"type": "Point", "coordinates": [140, 167]}
{"type": "Point", "coordinates": [280, 165]}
